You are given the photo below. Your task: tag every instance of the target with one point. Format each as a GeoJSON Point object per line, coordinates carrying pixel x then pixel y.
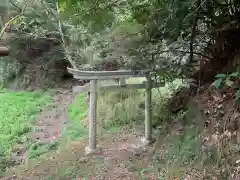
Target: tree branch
{"type": "Point", "coordinates": [60, 25]}
{"type": "Point", "coordinates": [181, 51]}
{"type": "Point", "coordinates": [19, 9]}
{"type": "Point", "coordinates": [14, 18]}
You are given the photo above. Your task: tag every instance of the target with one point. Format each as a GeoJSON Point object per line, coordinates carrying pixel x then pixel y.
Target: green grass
{"type": "Point", "coordinates": [76, 112]}
{"type": "Point", "coordinates": [37, 149]}
{"type": "Point", "coordinates": [174, 158]}
{"type": "Point", "coordinates": [17, 111]}
{"type": "Point", "coordinates": [123, 108]}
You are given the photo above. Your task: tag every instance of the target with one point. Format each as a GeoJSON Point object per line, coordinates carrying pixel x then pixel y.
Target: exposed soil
{"type": "Point", "coordinates": [52, 120]}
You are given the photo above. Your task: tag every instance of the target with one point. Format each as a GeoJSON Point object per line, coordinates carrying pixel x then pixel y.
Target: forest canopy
{"type": "Point", "coordinates": [174, 38]}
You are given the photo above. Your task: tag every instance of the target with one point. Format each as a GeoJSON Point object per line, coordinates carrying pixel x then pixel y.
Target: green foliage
{"type": "Point", "coordinates": [165, 31]}
{"type": "Point", "coordinates": [234, 74]}
{"type": "Point", "coordinates": [221, 76]}
{"type": "Point", "coordinates": [184, 149]}
{"type": "Point", "coordinates": [218, 82]}
{"type": "Point", "coordinates": [238, 94]}
{"type": "Point", "coordinates": [8, 68]}
{"type": "Point", "coordinates": [90, 29]}
{"type": "Point", "coordinates": [96, 15]}
{"type": "Point", "coordinates": [160, 102]}
{"type": "Point", "coordinates": [229, 80]}
{"type": "Point", "coordinates": [17, 112]}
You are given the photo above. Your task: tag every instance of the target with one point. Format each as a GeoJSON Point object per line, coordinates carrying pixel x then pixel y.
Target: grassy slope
{"type": "Point", "coordinates": [17, 110]}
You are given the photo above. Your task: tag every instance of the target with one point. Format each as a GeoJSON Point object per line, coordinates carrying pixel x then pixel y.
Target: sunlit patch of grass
{"type": "Point", "coordinates": [118, 109]}
{"type": "Point", "coordinates": [78, 113]}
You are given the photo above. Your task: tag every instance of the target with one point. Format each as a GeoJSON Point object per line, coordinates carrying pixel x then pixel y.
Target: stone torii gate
{"type": "Point", "coordinates": [94, 88]}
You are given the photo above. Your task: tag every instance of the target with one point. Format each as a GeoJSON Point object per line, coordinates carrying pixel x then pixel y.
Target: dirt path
{"type": "Point", "coordinates": [48, 126]}
{"type": "Point", "coordinates": [119, 159]}
{"type": "Point", "coordinates": [52, 120]}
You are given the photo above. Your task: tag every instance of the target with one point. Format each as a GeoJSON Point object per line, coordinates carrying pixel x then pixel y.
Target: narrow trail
{"type": "Point", "coordinates": [51, 121]}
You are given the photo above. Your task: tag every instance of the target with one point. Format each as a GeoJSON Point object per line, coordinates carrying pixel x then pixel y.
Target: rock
{"type": "Point", "coordinates": [180, 100]}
